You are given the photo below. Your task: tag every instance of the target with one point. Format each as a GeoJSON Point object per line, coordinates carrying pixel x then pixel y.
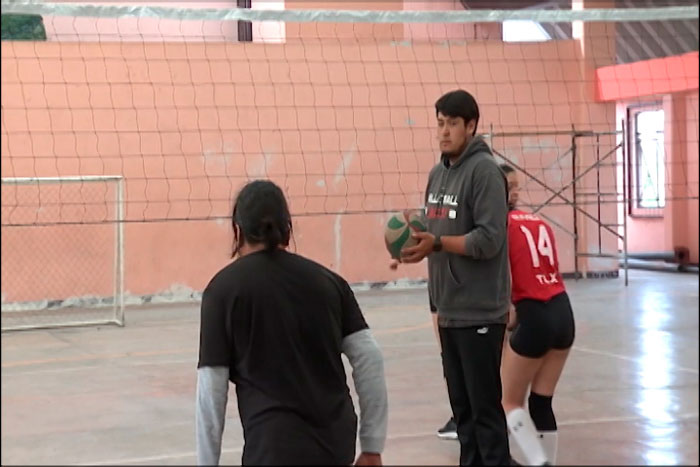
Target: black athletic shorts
{"type": "Point", "coordinates": [542, 326]}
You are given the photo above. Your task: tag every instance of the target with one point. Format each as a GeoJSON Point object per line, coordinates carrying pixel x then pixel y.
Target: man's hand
{"type": "Point", "coordinates": [424, 247]}
{"type": "Point", "coordinates": [369, 458]}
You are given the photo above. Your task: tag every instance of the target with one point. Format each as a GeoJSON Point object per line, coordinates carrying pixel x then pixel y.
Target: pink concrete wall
{"type": "Point", "coordinates": [677, 223]}
{"type": "Point", "coordinates": [186, 126]}
{"type": "Point", "coordinates": [674, 82]}
{"type": "Point", "coordinates": [647, 234]}
{"type": "Point", "coordinates": [682, 224]}
{"type": "Point", "coordinates": [693, 175]}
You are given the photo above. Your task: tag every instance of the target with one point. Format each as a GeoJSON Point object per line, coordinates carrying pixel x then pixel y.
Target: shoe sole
{"type": "Point", "coordinates": [447, 436]}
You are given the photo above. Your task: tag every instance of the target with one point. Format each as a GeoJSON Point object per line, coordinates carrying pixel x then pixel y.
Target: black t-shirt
{"type": "Point", "coordinates": [277, 320]}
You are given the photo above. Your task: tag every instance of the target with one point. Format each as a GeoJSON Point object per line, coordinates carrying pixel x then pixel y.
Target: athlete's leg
{"type": "Point", "coordinates": [516, 374]}
{"type": "Point", "coordinates": [540, 401]}
{"type": "Point", "coordinates": [546, 379]}
{"type": "Point", "coordinates": [522, 360]}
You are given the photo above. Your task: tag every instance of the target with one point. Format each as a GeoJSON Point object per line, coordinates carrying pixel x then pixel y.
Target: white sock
{"type": "Point", "coordinates": [549, 444]}
{"type": "Point", "coordinates": [515, 452]}
{"type": "Point", "coordinates": [523, 434]}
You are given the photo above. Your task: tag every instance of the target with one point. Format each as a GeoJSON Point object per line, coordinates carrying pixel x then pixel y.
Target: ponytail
{"type": "Point", "coordinates": [270, 233]}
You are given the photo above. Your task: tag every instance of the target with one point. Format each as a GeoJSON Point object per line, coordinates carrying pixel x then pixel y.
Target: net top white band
{"type": "Point", "coordinates": [350, 16]}
{"type": "Point", "coordinates": [76, 178]}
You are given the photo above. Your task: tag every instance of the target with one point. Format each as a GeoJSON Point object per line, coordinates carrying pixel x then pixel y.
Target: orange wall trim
{"type": "Point", "coordinates": [657, 76]}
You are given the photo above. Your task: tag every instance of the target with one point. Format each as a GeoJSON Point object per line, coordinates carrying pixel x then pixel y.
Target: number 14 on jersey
{"type": "Point", "coordinates": [541, 250]}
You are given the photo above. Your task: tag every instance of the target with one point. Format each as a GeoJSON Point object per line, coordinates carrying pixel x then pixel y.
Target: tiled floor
{"type": "Point", "coordinates": [109, 395]}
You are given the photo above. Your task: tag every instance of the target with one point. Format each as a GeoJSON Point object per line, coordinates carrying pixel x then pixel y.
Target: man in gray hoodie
{"type": "Point", "coordinates": [468, 276]}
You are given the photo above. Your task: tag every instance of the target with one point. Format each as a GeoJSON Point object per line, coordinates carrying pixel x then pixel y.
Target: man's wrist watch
{"type": "Point", "coordinates": [437, 244]}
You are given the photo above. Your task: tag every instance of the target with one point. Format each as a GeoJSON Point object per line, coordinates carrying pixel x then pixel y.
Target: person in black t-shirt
{"type": "Point", "coordinates": [275, 324]}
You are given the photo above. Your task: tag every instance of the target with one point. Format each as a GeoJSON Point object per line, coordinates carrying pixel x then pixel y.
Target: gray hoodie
{"type": "Point", "coordinates": [470, 197]}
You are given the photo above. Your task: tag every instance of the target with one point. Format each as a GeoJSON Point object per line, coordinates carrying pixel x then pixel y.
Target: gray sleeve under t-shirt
{"type": "Point", "coordinates": [368, 376]}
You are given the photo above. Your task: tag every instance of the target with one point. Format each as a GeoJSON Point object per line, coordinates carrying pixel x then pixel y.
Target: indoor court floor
{"type": "Point", "coordinates": [125, 396]}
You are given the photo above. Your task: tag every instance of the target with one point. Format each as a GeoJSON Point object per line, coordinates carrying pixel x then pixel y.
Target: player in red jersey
{"type": "Point", "coordinates": [542, 335]}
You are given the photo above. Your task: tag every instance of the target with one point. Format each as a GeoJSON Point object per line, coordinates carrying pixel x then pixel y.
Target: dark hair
{"type": "Point", "coordinates": [459, 103]}
{"type": "Point", "coordinates": [506, 168]}
{"type": "Point", "coordinates": [262, 216]}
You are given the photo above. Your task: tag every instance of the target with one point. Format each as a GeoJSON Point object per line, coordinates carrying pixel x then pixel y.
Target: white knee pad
{"type": "Point", "coordinates": [524, 439]}
{"type": "Point", "coordinates": [549, 444]}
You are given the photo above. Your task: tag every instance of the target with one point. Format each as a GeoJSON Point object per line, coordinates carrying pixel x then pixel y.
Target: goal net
{"type": "Point", "coordinates": [62, 251]}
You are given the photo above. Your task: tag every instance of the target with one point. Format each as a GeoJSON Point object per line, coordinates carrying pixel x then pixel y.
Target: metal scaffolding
{"type": "Point", "coordinates": [580, 197]}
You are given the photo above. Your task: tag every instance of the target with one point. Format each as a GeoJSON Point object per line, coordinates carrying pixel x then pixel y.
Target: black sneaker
{"type": "Point", "coordinates": [449, 431]}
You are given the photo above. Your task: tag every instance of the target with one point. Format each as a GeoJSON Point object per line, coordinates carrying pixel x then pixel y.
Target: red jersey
{"type": "Point", "coordinates": [534, 264]}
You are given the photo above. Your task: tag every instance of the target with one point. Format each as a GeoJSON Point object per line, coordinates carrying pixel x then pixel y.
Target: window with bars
{"type": "Point", "coordinates": [647, 160]}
